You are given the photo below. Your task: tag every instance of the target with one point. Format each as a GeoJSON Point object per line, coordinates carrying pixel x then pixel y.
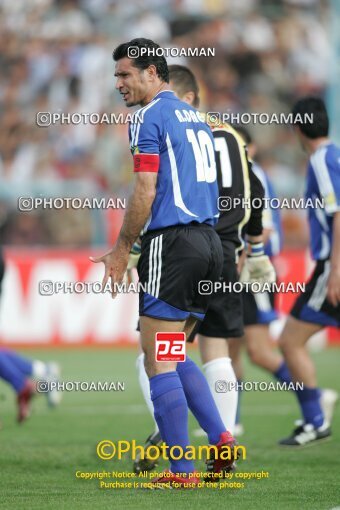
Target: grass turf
{"type": "Point", "coordinates": [39, 459]}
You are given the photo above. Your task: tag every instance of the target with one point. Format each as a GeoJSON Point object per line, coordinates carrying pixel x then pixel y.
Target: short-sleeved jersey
{"type": "Point", "coordinates": [271, 218]}
{"type": "Point", "coordinates": [323, 182]}
{"type": "Point", "coordinates": [174, 132]}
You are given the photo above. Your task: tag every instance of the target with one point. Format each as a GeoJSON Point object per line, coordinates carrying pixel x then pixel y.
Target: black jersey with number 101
{"type": "Point", "coordinates": [238, 187]}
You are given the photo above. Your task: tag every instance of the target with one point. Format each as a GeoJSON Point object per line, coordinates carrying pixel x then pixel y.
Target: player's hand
{"type": "Point", "coordinates": [333, 288]}
{"type": "Point", "coordinates": [258, 269]}
{"type": "Point", "coordinates": [115, 262]}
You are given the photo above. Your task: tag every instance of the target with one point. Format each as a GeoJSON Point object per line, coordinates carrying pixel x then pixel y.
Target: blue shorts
{"type": "Point", "coordinates": [312, 305]}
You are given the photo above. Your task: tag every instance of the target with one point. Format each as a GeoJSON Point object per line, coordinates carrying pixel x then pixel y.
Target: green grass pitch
{"type": "Point", "coordinates": [38, 459]}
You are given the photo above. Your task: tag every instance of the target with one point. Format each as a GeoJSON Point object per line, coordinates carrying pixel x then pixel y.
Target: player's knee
{"type": "Point", "coordinates": [149, 364]}
{"type": "Point", "coordinates": [285, 343]}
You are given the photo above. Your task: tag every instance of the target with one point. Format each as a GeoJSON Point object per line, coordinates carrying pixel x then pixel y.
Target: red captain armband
{"type": "Point", "coordinates": [146, 163]}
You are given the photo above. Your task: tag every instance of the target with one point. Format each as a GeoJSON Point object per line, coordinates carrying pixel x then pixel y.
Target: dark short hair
{"type": "Point", "coordinates": [244, 133]}
{"type": "Point", "coordinates": [312, 106]}
{"type": "Point", "coordinates": [144, 61]}
{"type": "Point", "coordinates": [184, 81]}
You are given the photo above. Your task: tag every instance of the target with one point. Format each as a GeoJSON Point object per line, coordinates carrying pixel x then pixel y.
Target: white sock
{"type": "Point", "coordinates": [145, 386]}
{"type": "Point", "coordinates": [39, 369]}
{"type": "Point", "coordinates": [221, 369]}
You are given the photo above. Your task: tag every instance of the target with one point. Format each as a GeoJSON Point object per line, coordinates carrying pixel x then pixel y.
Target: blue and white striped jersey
{"type": "Point", "coordinates": [323, 182]}
{"type": "Point", "coordinates": [271, 217]}
{"type": "Point", "coordinates": [169, 136]}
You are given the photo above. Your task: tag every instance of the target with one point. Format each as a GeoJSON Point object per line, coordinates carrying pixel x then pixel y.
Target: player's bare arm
{"type": "Point", "coordinates": [333, 290]}
{"type": "Point", "coordinates": [138, 211]}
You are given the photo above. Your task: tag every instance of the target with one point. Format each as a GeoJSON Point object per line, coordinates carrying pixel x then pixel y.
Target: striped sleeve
{"type": "Point", "coordinates": [144, 131]}
{"type": "Point", "coordinates": [267, 216]}
{"type": "Point", "coordinates": [326, 165]}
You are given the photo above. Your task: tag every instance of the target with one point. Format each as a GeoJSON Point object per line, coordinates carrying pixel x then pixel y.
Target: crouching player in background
{"type": "Point", "coordinates": [18, 371]}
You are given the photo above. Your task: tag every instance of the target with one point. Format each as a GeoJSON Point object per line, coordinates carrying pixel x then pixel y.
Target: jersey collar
{"type": "Point", "coordinates": [322, 145]}
{"type": "Point", "coordinates": [164, 93]}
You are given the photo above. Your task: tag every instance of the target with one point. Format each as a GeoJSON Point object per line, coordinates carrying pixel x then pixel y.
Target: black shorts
{"type": "Point", "coordinates": [224, 318]}
{"type": "Point", "coordinates": [258, 308]}
{"type": "Point", "coordinates": [172, 263]}
{"type": "Point", "coordinates": [312, 305]}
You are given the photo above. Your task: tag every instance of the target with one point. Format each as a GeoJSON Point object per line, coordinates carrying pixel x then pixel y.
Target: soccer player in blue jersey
{"type": "Point", "coordinates": [319, 305]}
{"type": "Point", "coordinates": [259, 309]}
{"type": "Point", "coordinates": [175, 202]}
{"type": "Point", "coordinates": [224, 318]}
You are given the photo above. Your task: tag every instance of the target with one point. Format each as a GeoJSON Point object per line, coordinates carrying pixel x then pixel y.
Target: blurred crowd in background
{"type": "Point", "coordinates": [56, 56]}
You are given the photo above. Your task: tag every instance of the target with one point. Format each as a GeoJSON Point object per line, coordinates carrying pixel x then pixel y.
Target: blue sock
{"type": "Point", "coordinates": [171, 415]}
{"type": "Point", "coordinates": [10, 373]}
{"type": "Point", "coordinates": [309, 399]}
{"type": "Point", "coordinates": [282, 374]}
{"type": "Point", "coordinates": [239, 393]}
{"type": "Point", "coordinates": [23, 364]}
{"type": "Point", "coordinates": [200, 400]}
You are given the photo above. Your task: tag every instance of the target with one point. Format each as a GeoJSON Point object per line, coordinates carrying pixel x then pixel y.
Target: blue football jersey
{"type": "Point", "coordinates": [323, 182]}
{"type": "Point", "coordinates": [271, 217]}
{"type": "Point", "coordinates": [187, 189]}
